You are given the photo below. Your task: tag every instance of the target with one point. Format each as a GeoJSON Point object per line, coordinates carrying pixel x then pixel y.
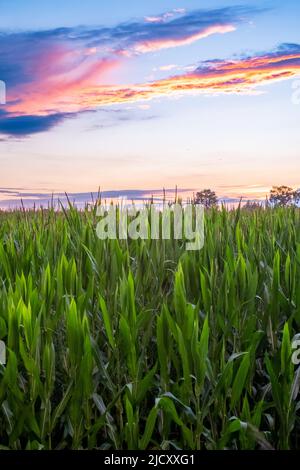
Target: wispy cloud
{"type": "Point", "coordinates": [13, 198]}
{"type": "Point", "coordinates": [167, 43]}
{"type": "Point", "coordinates": [212, 77]}
{"type": "Point", "coordinates": [162, 18]}
{"type": "Point", "coordinates": [51, 75]}
{"type": "Point", "coordinates": [27, 56]}
{"type": "Point", "coordinates": [242, 75]}
{"type": "Point", "coordinates": [22, 126]}
{"type": "Point", "coordinates": [167, 68]}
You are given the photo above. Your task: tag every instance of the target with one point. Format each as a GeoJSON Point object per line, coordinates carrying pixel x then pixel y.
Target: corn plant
{"type": "Point", "coordinates": [140, 344]}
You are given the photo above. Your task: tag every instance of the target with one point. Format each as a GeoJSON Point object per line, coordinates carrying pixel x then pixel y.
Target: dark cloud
{"type": "Point", "coordinates": [23, 126]}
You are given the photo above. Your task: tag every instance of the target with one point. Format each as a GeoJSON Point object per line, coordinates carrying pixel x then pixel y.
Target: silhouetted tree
{"type": "Point", "coordinates": [282, 196]}
{"type": "Point", "coordinates": [207, 198]}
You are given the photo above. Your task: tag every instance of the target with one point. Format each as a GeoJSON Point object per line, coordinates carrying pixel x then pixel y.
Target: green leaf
{"type": "Point", "coordinates": [107, 323]}
{"type": "Point", "coordinates": [149, 428]}
{"type": "Point", "coordinates": [239, 381]}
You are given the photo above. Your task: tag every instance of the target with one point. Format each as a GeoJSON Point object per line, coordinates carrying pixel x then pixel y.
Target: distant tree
{"type": "Point", "coordinates": [282, 196]}
{"type": "Point", "coordinates": [207, 198]}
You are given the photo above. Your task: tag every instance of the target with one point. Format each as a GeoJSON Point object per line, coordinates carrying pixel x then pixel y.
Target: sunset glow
{"type": "Point", "coordinates": [113, 93]}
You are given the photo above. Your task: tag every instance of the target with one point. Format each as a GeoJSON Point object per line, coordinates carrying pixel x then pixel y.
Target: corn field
{"type": "Point", "coordinates": [140, 344]}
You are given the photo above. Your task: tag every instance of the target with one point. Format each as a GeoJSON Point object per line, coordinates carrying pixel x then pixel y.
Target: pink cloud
{"type": "Point", "coordinates": [158, 44]}
{"type": "Point", "coordinates": [86, 90]}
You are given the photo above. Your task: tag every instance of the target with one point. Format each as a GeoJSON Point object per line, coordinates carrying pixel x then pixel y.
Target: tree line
{"type": "Point", "coordinates": [280, 196]}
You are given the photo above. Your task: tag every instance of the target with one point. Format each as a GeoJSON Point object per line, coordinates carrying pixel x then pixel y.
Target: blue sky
{"type": "Point", "coordinates": [144, 95]}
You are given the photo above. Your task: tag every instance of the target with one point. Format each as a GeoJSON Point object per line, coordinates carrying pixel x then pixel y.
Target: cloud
{"type": "Point", "coordinates": [38, 54]}
{"type": "Point", "coordinates": [167, 43]}
{"type": "Point", "coordinates": [52, 74]}
{"type": "Point", "coordinates": [11, 198]}
{"type": "Point", "coordinates": [241, 75]}
{"type": "Point", "coordinates": [117, 117]}
{"type": "Point", "coordinates": [165, 16]}
{"type": "Point", "coordinates": [219, 76]}
{"type": "Point", "coordinates": [167, 68]}
{"type": "Point", "coordinates": [22, 126]}
{"type": "Point", "coordinates": [168, 30]}
{"type": "Point", "coordinates": [160, 29]}
{"type": "Point", "coordinates": [158, 19]}
{"type": "Point", "coordinates": [28, 56]}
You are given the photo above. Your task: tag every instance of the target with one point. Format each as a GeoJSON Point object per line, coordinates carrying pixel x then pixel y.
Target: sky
{"type": "Point", "coordinates": [133, 97]}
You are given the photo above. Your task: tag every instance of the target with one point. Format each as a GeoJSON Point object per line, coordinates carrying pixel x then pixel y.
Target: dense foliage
{"type": "Point", "coordinates": [140, 344]}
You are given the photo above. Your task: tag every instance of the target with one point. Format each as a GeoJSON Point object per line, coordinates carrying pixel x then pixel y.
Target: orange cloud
{"type": "Point", "coordinates": [239, 76]}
